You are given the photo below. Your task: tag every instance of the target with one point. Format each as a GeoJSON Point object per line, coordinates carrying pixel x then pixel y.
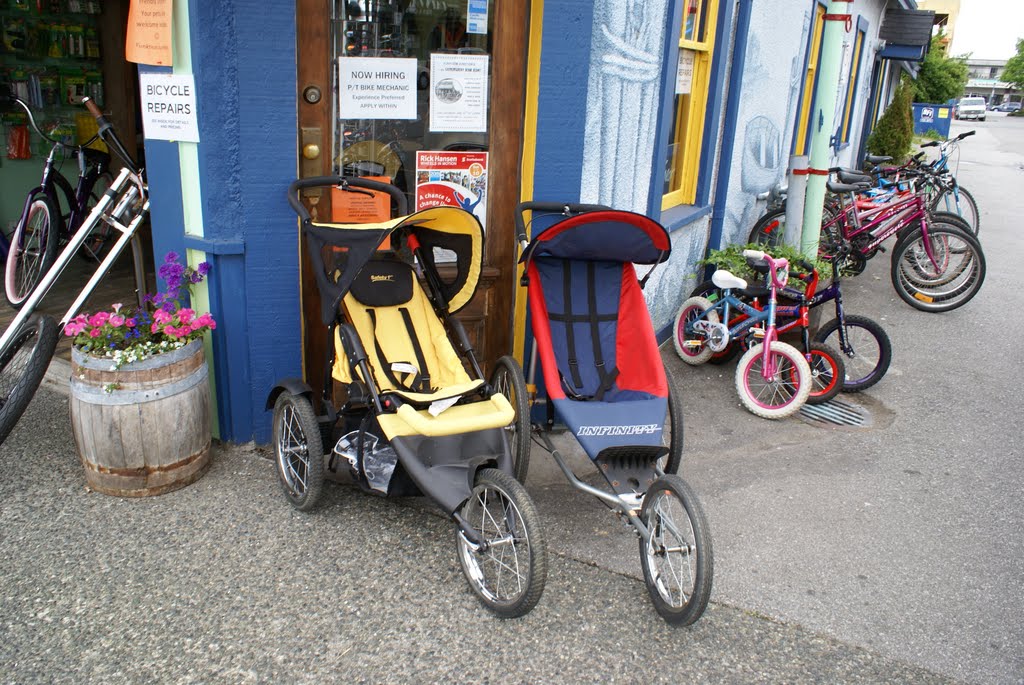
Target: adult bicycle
{"type": "Point", "coordinates": [28, 343]}
{"type": "Point", "coordinates": [42, 227]}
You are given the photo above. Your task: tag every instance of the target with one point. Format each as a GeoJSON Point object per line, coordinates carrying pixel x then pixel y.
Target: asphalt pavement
{"type": "Point", "coordinates": [888, 553]}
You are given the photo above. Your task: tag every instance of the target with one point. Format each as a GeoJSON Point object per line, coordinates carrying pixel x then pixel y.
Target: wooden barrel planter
{"type": "Point", "coordinates": [150, 433]}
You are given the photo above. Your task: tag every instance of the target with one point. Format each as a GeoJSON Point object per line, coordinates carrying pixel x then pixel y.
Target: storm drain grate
{"type": "Point", "coordinates": [837, 412]}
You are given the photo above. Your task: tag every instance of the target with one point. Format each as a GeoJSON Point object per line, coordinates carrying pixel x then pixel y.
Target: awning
{"type": "Point", "coordinates": [907, 34]}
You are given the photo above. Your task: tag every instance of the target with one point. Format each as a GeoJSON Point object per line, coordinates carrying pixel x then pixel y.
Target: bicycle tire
{"type": "Point", "coordinates": [26, 264]}
{"type": "Point", "coordinates": [943, 287]}
{"type": "Point", "coordinates": [711, 292]}
{"type": "Point", "coordinates": [769, 229]}
{"type": "Point", "coordinates": [785, 393]}
{"type": "Point", "coordinates": [22, 367]}
{"type": "Point", "coordinates": [972, 215]}
{"type": "Point", "coordinates": [866, 358]}
{"type": "Point", "coordinates": [828, 372]}
{"type": "Point", "coordinates": [691, 310]}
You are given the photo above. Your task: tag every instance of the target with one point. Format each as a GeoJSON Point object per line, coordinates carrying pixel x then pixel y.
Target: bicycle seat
{"type": "Point", "coordinates": [726, 281]}
{"type": "Point", "coordinates": [877, 159]}
{"type": "Point", "coordinates": [848, 176]}
{"type": "Point", "coordinates": [847, 187]}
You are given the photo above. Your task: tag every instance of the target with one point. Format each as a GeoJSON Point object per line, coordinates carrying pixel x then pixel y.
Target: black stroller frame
{"type": "Point", "coordinates": [449, 434]}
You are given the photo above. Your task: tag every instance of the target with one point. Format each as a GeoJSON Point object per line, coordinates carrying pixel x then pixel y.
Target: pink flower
{"type": "Point", "coordinates": [73, 328]}
{"type": "Point", "coordinates": [185, 315]}
{"type": "Point", "coordinates": [155, 328]}
{"type": "Point", "coordinates": [116, 306]}
{"type": "Point", "coordinates": [98, 319]}
{"type": "Point", "coordinates": [196, 324]}
{"type": "Point", "coordinates": [160, 316]}
{"type": "Point", "coordinates": [130, 323]}
{"type": "Point", "coordinates": [116, 320]}
{"type": "Point", "coordinates": [95, 333]}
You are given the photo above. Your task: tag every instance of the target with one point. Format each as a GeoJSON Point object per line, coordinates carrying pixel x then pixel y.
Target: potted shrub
{"type": "Point", "coordinates": [140, 400]}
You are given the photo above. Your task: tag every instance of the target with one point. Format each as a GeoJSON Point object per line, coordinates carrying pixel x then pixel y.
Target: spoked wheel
{"type": "Point", "coordinates": [508, 571]}
{"type": "Point", "coordinates": [827, 373]}
{"type": "Point", "coordinates": [938, 273]}
{"type": "Point", "coordinates": [961, 203]}
{"type": "Point", "coordinates": [677, 560]}
{"type": "Point", "coordinates": [508, 380]}
{"type": "Point", "coordinates": [710, 291]}
{"type": "Point", "coordinates": [101, 238]}
{"type": "Point", "coordinates": [672, 433]}
{"type": "Point", "coordinates": [22, 366]}
{"type": "Point", "coordinates": [691, 345]}
{"type": "Point", "coordinates": [298, 451]}
{"type": "Point", "coordinates": [770, 229]}
{"type": "Point", "coordinates": [34, 246]}
{"type": "Point", "coordinates": [787, 389]}
{"type": "Point", "coordinates": [865, 348]}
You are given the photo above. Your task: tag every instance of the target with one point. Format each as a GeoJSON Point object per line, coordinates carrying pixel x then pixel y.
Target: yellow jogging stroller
{"type": "Point", "coordinates": [419, 417]}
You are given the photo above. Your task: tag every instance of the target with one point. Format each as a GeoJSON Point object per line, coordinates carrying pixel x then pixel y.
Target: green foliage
{"type": "Point", "coordinates": [894, 132]}
{"type": "Point", "coordinates": [732, 260]}
{"type": "Point", "coordinates": [1014, 71]}
{"type": "Point", "coordinates": [932, 134]}
{"type": "Point", "coordinates": [940, 78]}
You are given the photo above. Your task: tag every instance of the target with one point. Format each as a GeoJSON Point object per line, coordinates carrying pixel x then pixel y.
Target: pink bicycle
{"type": "Point", "coordinates": [773, 378]}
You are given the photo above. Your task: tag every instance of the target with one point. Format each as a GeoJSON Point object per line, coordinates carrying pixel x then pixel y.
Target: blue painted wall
{"type": "Point", "coordinates": [243, 55]}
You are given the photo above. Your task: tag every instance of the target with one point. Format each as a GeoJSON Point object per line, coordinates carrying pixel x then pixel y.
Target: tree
{"type": "Point", "coordinates": [894, 132]}
{"type": "Point", "coordinates": [940, 78]}
{"type": "Point", "coordinates": [1014, 71]}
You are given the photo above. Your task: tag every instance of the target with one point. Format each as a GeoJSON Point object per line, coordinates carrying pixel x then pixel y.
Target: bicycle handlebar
{"type": "Point", "coordinates": [109, 136]}
{"type": "Point", "coordinates": [344, 182]}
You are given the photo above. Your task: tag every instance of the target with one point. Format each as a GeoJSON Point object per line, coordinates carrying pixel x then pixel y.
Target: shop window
{"type": "Point", "coordinates": [696, 45]}
{"type": "Point", "coordinates": [851, 86]}
{"type": "Point", "coordinates": [801, 139]}
{"type": "Point", "coordinates": [409, 78]}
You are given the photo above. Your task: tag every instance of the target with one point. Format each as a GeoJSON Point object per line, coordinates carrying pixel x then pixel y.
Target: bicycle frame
{"type": "Point", "coordinates": [126, 190]}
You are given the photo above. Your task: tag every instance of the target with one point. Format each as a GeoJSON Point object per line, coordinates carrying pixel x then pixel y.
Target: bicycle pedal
{"type": "Point", "coordinates": [881, 249]}
{"type": "Point", "coordinates": [693, 343]}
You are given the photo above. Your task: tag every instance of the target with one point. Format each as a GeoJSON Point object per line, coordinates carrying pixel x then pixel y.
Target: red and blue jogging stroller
{"type": "Point", "coordinates": [604, 380]}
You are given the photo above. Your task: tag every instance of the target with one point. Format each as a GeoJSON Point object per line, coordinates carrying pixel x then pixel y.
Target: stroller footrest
{"type": "Point", "coordinates": [630, 469]}
{"type": "Point", "coordinates": [495, 412]}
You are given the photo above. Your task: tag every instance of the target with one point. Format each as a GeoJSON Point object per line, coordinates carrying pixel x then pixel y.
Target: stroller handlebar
{"type": "Point", "coordinates": [567, 209]}
{"type": "Point", "coordinates": [345, 182]}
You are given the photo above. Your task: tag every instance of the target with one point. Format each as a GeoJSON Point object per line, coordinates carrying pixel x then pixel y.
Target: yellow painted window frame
{"type": "Point", "coordinates": [689, 119]}
{"type": "Point", "coordinates": [807, 95]}
{"type": "Point", "coordinates": [852, 86]}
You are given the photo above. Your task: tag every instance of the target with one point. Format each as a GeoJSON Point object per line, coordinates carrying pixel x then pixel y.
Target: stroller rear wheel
{"type": "Point", "coordinates": [298, 451]}
{"type": "Point", "coordinates": [677, 559]}
{"type": "Point", "coordinates": [507, 379]}
{"type": "Point", "coordinates": [508, 571]}
{"type": "Point", "coordinates": [672, 434]}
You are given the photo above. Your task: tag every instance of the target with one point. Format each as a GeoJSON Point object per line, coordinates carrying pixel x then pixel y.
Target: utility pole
{"type": "Point", "coordinates": [838, 22]}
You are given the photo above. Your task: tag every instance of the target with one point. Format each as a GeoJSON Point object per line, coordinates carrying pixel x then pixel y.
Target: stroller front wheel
{"type": "Point", "coordinates": [677, 559]}
{"type": "Point", "coordinates": [298, 451]}
{"type": "Point", "coordinates": [508, 571]}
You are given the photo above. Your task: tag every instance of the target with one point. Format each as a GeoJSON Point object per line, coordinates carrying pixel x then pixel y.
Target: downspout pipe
{"type": "Point", "coordinates": [732, 113]}
{"type": "Point", "coordinates": [838, 22]}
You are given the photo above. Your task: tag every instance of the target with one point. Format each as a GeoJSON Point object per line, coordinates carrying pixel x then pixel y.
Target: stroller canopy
{"type": "Point", "coordinates": [607, 235]}
{"type": "Point", "coordinates": [443, 235]}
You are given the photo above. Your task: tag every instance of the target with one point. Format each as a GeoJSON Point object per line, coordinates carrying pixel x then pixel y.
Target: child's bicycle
{"type": "Point", "coordinates": [42, 228]}
{"type": "Point", "coordinates": [773, 379]}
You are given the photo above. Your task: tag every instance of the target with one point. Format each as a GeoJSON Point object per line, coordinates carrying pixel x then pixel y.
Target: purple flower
{"type": "Point", "coordinates": [203, 268]}
{"type": "Point", "coordinates": [170, 257]}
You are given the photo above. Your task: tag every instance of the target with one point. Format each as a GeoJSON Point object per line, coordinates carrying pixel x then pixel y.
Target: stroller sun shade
{"type": "Point", "coordinates": [609, 235]}
{"type": "Point", "coordinates": [442, 235]}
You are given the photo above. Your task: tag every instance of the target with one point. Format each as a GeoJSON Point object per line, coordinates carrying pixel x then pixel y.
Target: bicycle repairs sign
{"type": "Point", "coordinates": [169, 107]}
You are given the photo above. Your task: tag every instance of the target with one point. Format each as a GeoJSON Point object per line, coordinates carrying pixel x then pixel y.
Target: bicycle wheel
{"type": "Point", "coordinates": [939, 273]}
{"type": "Point", "coordinates": [787, 389]}
{"type": "Point", "coordinates": [298, 451]}
{"type": "Point", "coordinates": [960, 203]}
{"type": "Point", "coordinates": [691, 345]}
{"type": "Point", "coordinates": [22, 367]}
{"type": "Point", "coordinates": [672, 433]}
{"type": "Point", "coordinates": [864, 346]}
{"type": "Point", "coordinates": [508, 380]}
{"type": "Point", "coordinates": [709, 290]}
{"type": "Point", "coordinates": [508, 571]}
{"type": "Point", "coordinates": [677, 559]}
{"type": "Point", "coordinates": [827, 373]}
{"type": "Point", "coordinates": [770, 229]}
{"type": "Point", "coordinates": [100, 239]}
{"type": "Point", "coordinates": [33, 250]}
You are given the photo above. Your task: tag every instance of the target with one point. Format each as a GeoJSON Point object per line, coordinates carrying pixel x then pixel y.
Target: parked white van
{"type": "Point", "coordinates": [970, 108]}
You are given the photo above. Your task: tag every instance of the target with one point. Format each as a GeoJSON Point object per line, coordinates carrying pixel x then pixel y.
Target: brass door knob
{"type": "Point", "coordinates": [311, 151]}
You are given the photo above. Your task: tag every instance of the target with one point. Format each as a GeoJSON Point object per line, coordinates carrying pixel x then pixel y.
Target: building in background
{"type": "Point", "coordinates": [946, 13]}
